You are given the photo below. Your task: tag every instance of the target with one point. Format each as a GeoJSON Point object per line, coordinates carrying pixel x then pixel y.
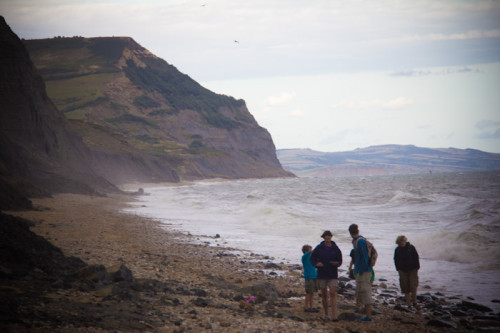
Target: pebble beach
{"type": "Point", "coordinates": [173, 282]}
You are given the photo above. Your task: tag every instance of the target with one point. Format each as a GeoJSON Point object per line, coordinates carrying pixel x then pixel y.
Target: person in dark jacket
{"type": "Point", "coordinates": [327, 257]}
{"type": "Point", "coordinates": [407, 264]}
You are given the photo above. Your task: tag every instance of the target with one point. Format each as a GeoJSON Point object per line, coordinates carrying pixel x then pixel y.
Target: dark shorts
{"type": "Point", "coordinates": [311, 286]}
{"type": "Point", "coordinates": [408, 281]}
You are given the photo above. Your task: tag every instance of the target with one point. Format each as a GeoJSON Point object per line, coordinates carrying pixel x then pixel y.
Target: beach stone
{"type": "Point", "coordinates": [441, 323]}
{"type": "Point", "coordinates": [201, 302]}
{"type": "Point", "coordinates": [486, 323]}
{"type": "Point", "coordinates": [475, 306]}
{"type": "Point", "coordinates": [263, 291]}
{"type": "Point", "coordinates": [458, 313]}
{"type": "Point", "coordinates": [120, 272]}
{"type": "Point", "coordinates": [271, 265]}
{"type": "Point", "coordinates": [245, 306]}
{"type": "Point", "coordinates": [94, 273]}
{"type": "Point", "coordinates": [349, 316]}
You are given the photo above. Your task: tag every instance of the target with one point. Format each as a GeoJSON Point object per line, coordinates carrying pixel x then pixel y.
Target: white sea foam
{"type": "Point", "coordinates": [452, 219]}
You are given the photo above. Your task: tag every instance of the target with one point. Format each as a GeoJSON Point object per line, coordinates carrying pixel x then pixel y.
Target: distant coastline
{"type": "Point", "coordinates": [385, 160]}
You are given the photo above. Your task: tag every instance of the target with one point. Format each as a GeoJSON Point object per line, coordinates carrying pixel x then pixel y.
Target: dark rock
{"type": "Point", "coordinates": [349, 316]}
{"type": "Point", "coordinates": [94, 273]}
{"type": "Point", "coordinates": [200, 293]}
{"type": "Point", "coordinates": [263, 291]}
{"type": "Point", "coordinates": [201, 302]}
{"type": "Point", "coordinates": [458, 313]}
{"type": "Point", "coordinates": [486, 318]}
{"type": "Point", "coordinates": [441, 323]}
{"type": "Point", "coordinates": [401, 308]}
{"type": "Point", "coordinates": [475, 306]}
{"type": "Point", "coordinates": [271, 265]}
{"type": "Point", "coordinates": [120, 272]}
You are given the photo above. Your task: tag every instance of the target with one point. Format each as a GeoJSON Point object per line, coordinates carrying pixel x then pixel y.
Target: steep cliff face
{"type": "Point", "coordinates": [115, 83]}
{"type": "Point", "coordinates": [39, 152]}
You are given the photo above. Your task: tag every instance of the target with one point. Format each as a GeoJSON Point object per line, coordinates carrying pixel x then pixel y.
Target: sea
{"type": "Point", "coordinates": [453, 220]}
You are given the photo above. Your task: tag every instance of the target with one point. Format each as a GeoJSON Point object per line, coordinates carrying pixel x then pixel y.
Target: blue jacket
{"type": "Point", "coordinates": [325, 254]}
{"type": "Point", "coordinates": [361, 262]}
{"type": "Point", "coordinates": [310, 272]}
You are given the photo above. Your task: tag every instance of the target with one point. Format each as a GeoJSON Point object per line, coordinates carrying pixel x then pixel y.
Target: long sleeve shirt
{"type": "Point", "coordinates": [310, 272]}
{"type": "Point", "coordinates": [326, 254]}
{"type": "Point", "coordinates": [361, 260]}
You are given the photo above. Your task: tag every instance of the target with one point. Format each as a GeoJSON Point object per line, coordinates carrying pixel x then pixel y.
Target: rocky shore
{"type": "Point", "coordinates": [98, 269]}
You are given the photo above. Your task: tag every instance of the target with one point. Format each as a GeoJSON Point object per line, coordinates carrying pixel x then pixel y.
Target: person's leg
{"type": "Point", "coordinates": [368, 310]}
{"type": "Point", "coordinates": [365, 290]}
{"type": "Point", "coordinates": [414, 297]}
{"type": "Point", "coordinates": [324, 299]}
{"type": "Point", "coordinates": [308, 302]}
{"type": "Point", "coordinates": [333, 298]}
{"type": "Point", "coordinates": [407, 299]}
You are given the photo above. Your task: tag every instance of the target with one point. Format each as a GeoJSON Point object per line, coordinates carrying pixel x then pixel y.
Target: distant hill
{"type": "Point", "coordinates": [384, 160]}
{"type": "Point", "coordinates": [118, 86]}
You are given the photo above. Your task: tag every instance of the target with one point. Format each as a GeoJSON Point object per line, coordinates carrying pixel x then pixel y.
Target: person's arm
{"type": "Point", "coordinates": [315, 258]}
{"type": "Point", "coordinates": [417, 259]}
{"type": "Point", "coordinates": [339, 257]}
{"type": "Point", "coordinates": [396, 259]}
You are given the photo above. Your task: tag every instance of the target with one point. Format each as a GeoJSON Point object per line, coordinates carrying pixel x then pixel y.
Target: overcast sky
{"type": "Point", "coordinates": [327, 75]}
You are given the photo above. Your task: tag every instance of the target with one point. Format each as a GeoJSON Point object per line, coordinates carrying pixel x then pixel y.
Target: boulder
{"type": "Point", "coordinates": [475, 306]}
{"type": "Point", "coordinates": [120, 272]}
{"type": "Point", "coordinates": [263, 291]}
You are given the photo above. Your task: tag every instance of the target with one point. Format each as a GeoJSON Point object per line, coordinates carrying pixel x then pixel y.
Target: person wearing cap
{"type": "Point", "coordinates": [327, 257]}
{"type": "Point", "coordinates": [407, 264]}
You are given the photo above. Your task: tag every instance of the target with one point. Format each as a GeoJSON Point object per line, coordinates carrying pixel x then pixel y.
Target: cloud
{"type": "Point", "coordinates": [298, 113]}
{"type": "Point", "coordinates": [489, 135]}
{"type": "Point", "coordinates": [471, 34]}
{"type": "Point", "coordinates": [425, 72]}
{"type": "Point", "coordinates": [484, 124]}
{"type": "Point", "coordinates": [392, 104]}
{"type": "Point", "coordinates": [282, 99]}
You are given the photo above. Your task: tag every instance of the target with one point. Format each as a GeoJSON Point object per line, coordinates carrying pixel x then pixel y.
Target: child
{"type": "Point", "coordinates": [310, 275]}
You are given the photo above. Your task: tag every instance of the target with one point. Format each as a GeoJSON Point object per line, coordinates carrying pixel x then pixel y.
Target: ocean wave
{"type": "Point", "coordinates": [407, 197]}
{"type": "Point", "coordinates": [478, 245]}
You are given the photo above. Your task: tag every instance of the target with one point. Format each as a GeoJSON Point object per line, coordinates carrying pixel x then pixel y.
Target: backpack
{"type": "Point", "coordinates": [372, 252]}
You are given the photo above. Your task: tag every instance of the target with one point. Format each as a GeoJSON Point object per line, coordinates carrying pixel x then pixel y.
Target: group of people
{"type": "Point", "coordinates": [321, 272]}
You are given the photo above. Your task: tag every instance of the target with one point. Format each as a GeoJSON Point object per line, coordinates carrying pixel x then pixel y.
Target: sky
{"type": "Point", "coordinates": [330, 75]}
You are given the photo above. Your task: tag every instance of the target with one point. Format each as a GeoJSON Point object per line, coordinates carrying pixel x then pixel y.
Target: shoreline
{"type": "Point", "coordinates": [429, 282]}
{"type": "Point", "coordinates": [213, 279]}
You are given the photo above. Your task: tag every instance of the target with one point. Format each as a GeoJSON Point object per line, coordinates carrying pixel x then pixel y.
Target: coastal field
{"type": "Point", "coordinates": [181, 285]}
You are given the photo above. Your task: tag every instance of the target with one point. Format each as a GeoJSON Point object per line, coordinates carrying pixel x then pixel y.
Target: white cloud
{"type": "Point", "coordinates": [487, 123]}
{"type": "Point", "coordinates": [391, 104]}
{"type": "Point", "coordinates": [471, 34]}
{"type": "Point", "coordinates": [280, 100]}
{"type": "Point", "coordinates": [298, 113]}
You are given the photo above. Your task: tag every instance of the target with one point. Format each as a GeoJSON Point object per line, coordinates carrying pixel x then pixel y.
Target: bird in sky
{"type": "Point", "coordinates": [236, 41]}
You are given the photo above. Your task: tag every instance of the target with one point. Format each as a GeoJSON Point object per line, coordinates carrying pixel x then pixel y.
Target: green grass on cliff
{"type": "Point", "coordinates": [74, 93]}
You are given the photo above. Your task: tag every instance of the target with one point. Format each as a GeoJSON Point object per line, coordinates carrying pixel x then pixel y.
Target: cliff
{"type": "Point", "coordinates": [117, 85]}
{"type": "Point", "coordinates": [120, 115]}
{"type": "Point", "coordinates": [39, 154]}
